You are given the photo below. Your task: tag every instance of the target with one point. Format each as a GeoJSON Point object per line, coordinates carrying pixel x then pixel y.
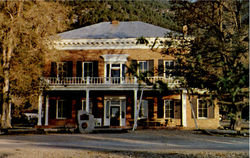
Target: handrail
{"type": "Point", "coordinates": [57, 81]}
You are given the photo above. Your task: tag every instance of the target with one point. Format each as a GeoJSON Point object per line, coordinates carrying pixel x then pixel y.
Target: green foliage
{"type": "Point", "coordinates": [156, 12]}
{"type": "Point", "coordinates": [218, 59]}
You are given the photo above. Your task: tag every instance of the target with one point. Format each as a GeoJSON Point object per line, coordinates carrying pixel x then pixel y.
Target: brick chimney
{"type": "Point", "coordinates": [115, 22]}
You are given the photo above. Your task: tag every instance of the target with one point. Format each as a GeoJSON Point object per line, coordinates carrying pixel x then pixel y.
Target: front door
{"type": "Point", "coordinates": [115, 112]}
{"type": "Point", "coordinates": [115, 116]}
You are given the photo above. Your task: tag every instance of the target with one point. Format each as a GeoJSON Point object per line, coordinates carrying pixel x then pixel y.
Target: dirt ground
{"type": "Point", "coordinates": [139, 144]}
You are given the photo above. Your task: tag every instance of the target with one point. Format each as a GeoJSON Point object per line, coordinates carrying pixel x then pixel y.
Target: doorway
{"type": "Point", "coordinates": [115, 112]}
{"type": "Point", "coordinates": [114, 116]}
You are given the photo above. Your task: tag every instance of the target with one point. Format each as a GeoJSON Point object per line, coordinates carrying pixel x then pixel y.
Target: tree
{"type": "Point", "coordinates": [153, 11]}
{"type": "Point", "coordinates": [218, 57]}
{"type": "Point", "coordinates": [215, 60]}
{"type": "Point", "coordinates": [25, 28]}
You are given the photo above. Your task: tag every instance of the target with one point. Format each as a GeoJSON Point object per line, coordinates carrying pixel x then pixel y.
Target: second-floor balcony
{"type": "Point", "coordinates": [106, 81]}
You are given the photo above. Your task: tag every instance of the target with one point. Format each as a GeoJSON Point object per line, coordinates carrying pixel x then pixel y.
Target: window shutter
{"type": "Point", "coordinates": [53, 71]}
{"type": "Point", "coordinates": [52, 109]}
{"type": "Point", "coordinates": [194, 102]}
{"type": "Point", "coordinates": [79, 69]}
{"type": "Point", "coordinates": [210, 110]}
{"type": "Point", "coordinates": [95, 68]}
{"type": "Point", "coordinates": [160, 67]}
{"type": "Point", "coordinates": [151, 67]}
{"type": "Point", "coordinates": [133, 67]}
{"type": "Point", "coordinates": [177, 109]}
{"type": "Point", "coordinates": [69, 69]}
{"type": "Point", "coordinates": [160, 108]}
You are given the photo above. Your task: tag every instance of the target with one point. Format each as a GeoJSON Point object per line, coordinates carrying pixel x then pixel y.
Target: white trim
{"type": "Point", "coordinates": [198, 110]}
{"type": "Point", "coordinates": [135, 108]}
{"type": "Point", "coordinates": [40, 103]}
{"type": "Point", "coordinates": [107, 120]}
{"type": "Point", "coordinates": [165, 108]}
{"type": "Point", "coordinates": [87, 101]}
{"type": "Point", "coordinates": [117, 58]}
{"type": "Point", "coordinates": [184, 109]}
{"type": "Point", "coordinates": [47, 111]}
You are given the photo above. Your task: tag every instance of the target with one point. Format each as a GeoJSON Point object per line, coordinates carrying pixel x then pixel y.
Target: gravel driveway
{"type": "Point", "coordinates": [141, 143]}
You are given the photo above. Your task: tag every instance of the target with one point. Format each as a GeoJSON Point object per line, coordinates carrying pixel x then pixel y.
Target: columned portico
{"type": "Point", "coordinates": [47, 110]}
{"type": "Point", "coordinates": [40, 103]}
{"type": "Point", "coordinates": [184, 109]}
{"type": "Point", "coordinates": [87, 101]}
{"type": "Point", "coordinates": [135, 108]}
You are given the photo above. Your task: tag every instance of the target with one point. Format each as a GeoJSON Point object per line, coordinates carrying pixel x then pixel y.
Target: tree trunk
{"type": "Point", "coordinates": [237, 125]}
{"type": "Point", "coordinates": [6, 105]}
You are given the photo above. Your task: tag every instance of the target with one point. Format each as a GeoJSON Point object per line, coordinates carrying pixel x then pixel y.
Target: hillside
{"type": "Point", "coordinates": [90, 12]}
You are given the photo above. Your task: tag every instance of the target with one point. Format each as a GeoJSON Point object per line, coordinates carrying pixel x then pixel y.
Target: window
{"type": "Point", "coordinates": [61, 109]}
{"type": "Point", "coordinates": [168, 65]}
{"type": "Point", "coordinates": [144, 109]}
{"type": "Point", "coordinates": [202, 108]}
{"type": "Point", "coordinates": [62, 68]}
{"type": "Point", "coordinates": [87, 69]}
{"type": "Point", "coordinates": [169, 109]}
{"type": "Point", "coordinates": [143, 66]}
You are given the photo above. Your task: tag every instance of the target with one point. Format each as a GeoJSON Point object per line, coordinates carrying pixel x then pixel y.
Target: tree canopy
{"type": "Point", "coordinates": [218, 57]}
{"type": "Point", "coordinates": [24, 30]}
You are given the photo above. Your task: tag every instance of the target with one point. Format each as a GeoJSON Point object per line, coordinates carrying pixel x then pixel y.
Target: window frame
{"type": "Point", "coordinates": [198, 109]}
{"type": "Point", "coordinates": [83, 70]}
{"type": "Point", "coordinates": [165, 68]}
{"type": "Point", "coordinates": [143, 110]}
{"type": "Point", "coordinates": [61, 69]}
{"type": "Point", "coordinates": [171, 110]}
{"type": "Point", "coordinates": [144, 70]}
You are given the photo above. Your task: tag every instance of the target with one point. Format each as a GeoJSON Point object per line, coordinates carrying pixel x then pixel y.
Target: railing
{"type": "Point", "coordinates": [84, 81]}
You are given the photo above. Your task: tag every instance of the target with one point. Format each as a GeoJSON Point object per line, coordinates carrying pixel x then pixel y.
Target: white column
{"type": "Point", "coordinates": [184, 109]}
{"type": "Point", "coordinates": [47, 111]}
{"type": "Point", "coordinates": [87, 101]}
{"type": "Point", "coordinates": [40, 103]}
{"type": "Point", "coordinates": [135, 109]}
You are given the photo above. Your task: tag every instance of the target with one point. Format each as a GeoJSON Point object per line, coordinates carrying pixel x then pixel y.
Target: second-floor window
{"type": "Point", "coordinates": [61, 69]}
{"type": "Point", "coordinates": [88, 70]}
{"type": "Point", "coordinates": [168, 66]}
{"type": "Point", "coordinates": [143, 66]}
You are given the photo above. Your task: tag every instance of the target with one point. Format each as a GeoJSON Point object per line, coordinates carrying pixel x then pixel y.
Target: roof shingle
{"type": "Point", "coordinates": [107, 30]}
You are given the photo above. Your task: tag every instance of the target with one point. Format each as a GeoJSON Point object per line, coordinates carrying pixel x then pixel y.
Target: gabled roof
{"type": "Point", "coordinates": [107, 30]}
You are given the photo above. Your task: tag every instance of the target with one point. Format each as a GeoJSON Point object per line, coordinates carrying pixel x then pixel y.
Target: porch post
{"type": "Point", "coordinates": [184, 109]}
{"type": "Point", "coordinates": [40, 103]}
{"type": "Point", "coordinates": [87, 101]}
{"type": "Point", "coordinates": [47, 111]}
{"type": "Point", "coordinates": [135, 108]}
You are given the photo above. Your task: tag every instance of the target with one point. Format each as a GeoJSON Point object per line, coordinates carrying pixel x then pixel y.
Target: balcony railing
{"type": "Point", "coordinates": [85, 81]}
